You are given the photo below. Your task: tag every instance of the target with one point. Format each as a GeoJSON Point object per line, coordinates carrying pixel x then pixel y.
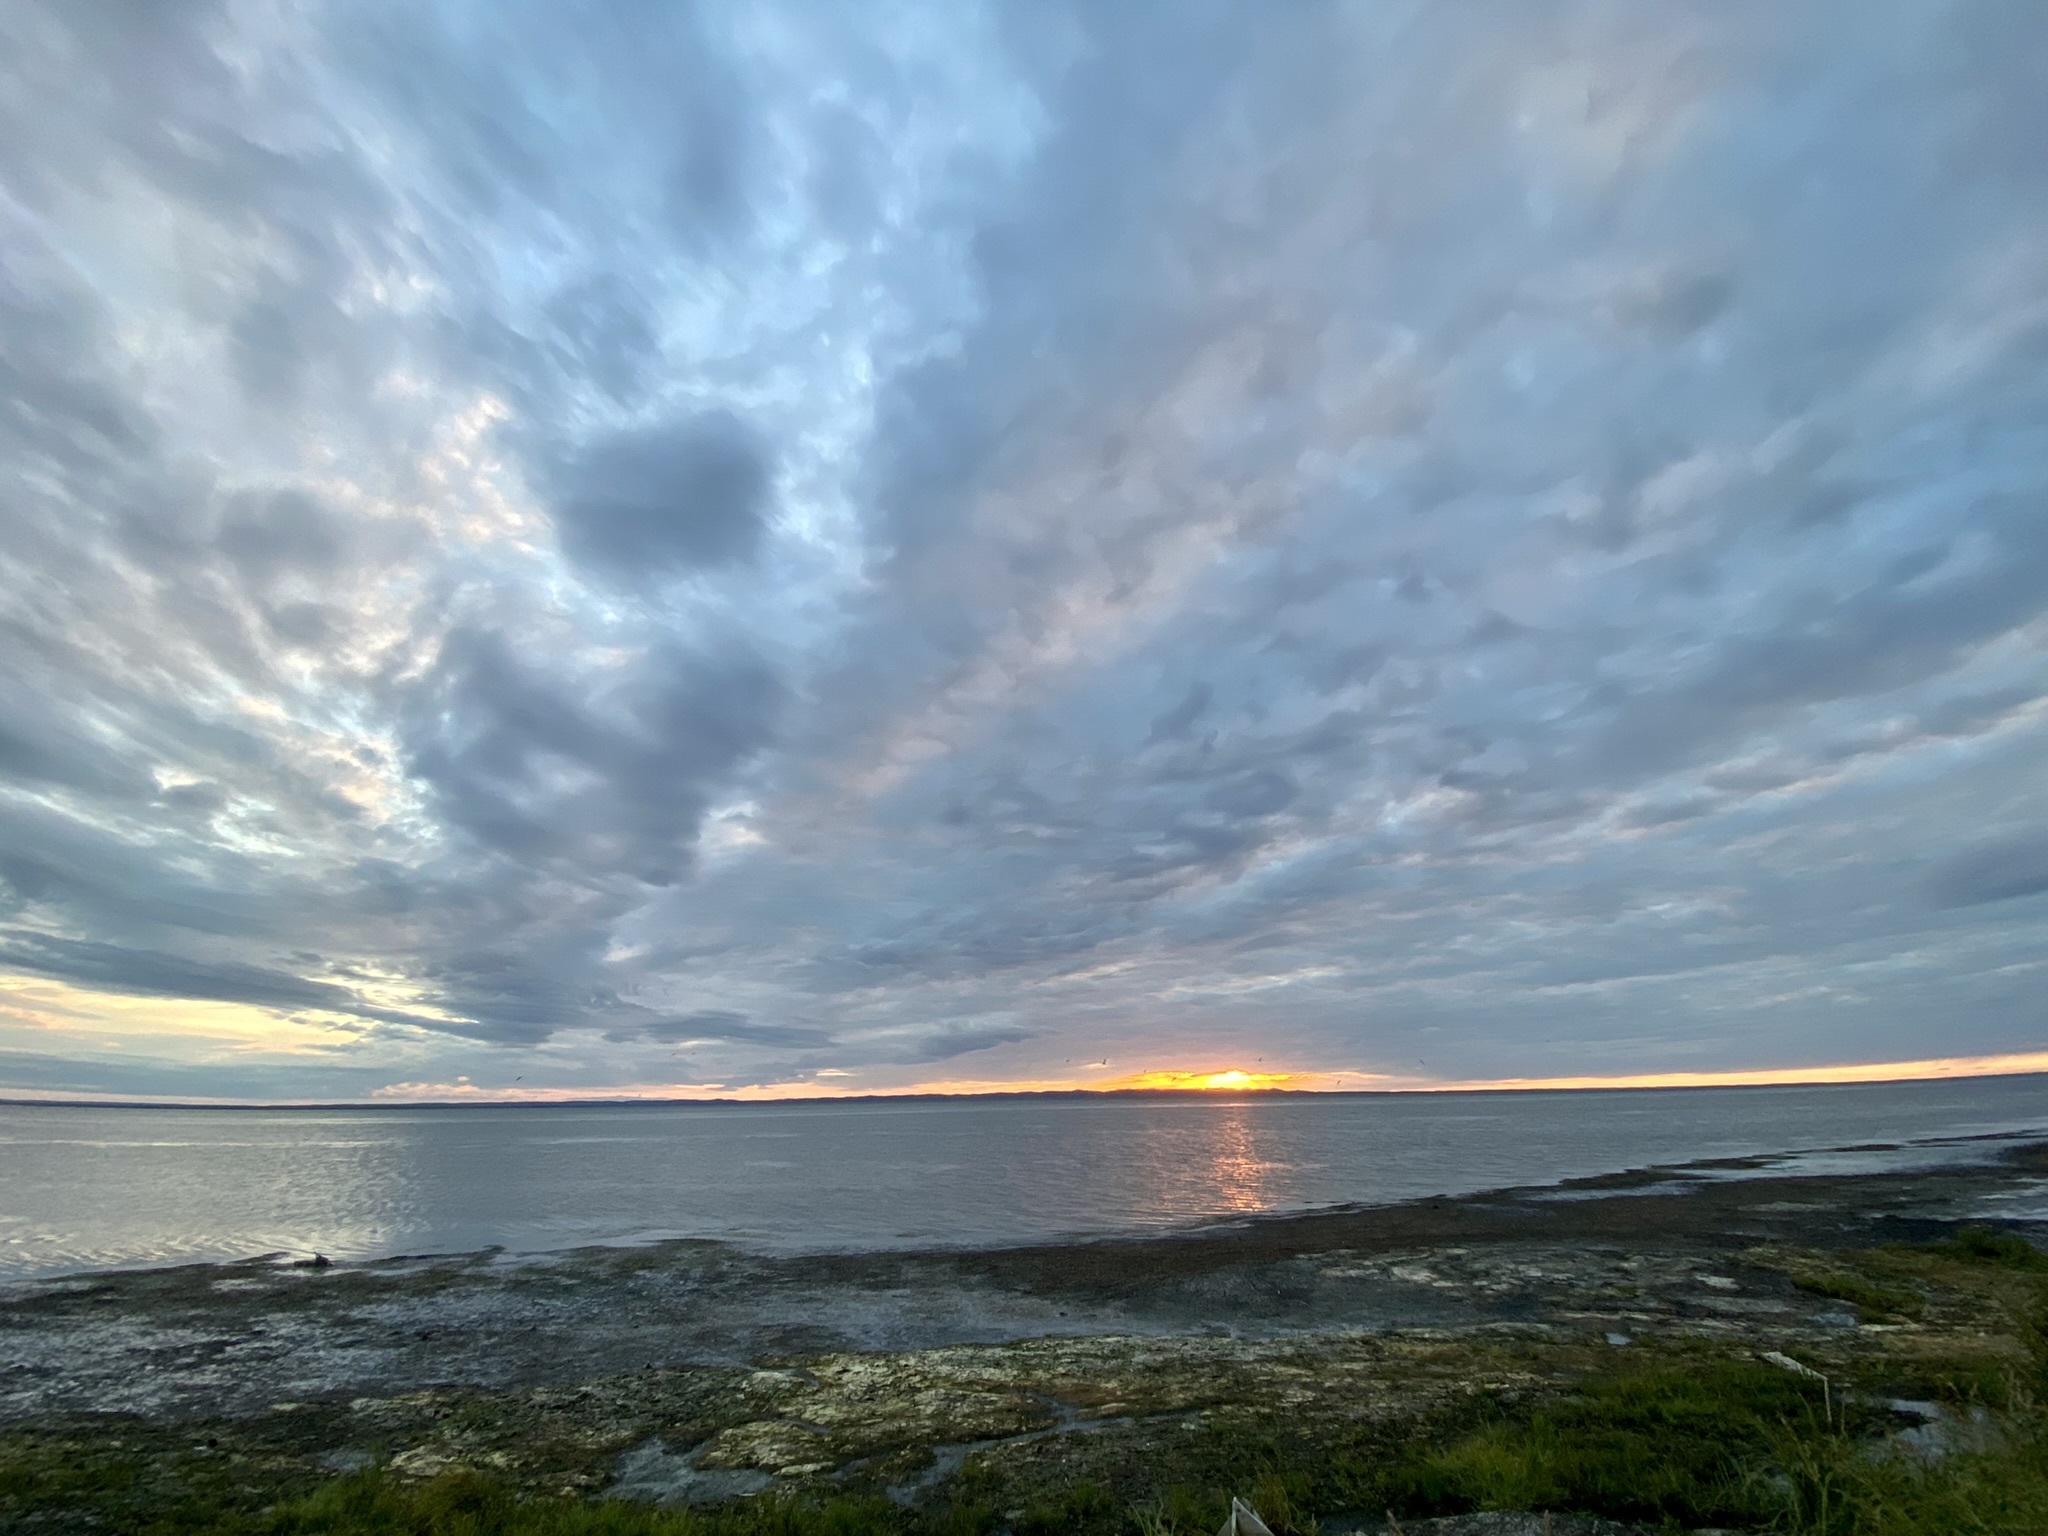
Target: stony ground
{"type": "Point", "coordinates": [689, 1373]}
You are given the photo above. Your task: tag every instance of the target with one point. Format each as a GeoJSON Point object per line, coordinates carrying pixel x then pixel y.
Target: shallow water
{"type": "Point", "coordinates": [99, 1187]}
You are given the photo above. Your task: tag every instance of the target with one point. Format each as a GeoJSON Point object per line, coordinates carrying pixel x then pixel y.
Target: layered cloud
{"type": "Point", "coordinates": [623, 547]}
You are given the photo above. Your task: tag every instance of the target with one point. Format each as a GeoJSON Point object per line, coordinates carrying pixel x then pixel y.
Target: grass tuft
{"type": "Point", "coordinates": [1681, 1436]}
{"type": "Point", "coordinates": [1868, 1297]}
{"type": "Point", "coordinates": [1669, 1445]}
{"type": "Point", "coordinates": [1988, 1245]}
{"type": "Point", "coordinates": [470, 1504]}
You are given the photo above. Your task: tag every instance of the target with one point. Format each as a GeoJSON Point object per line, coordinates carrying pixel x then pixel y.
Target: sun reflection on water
{"type": "Point", "coordinates": [1241, 1178]}
{"type": "Point", "coordinates": [1200, 1160]}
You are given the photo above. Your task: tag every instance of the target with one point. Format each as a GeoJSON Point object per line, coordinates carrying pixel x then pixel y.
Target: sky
{"type": "Point", "coordinates": [786, 547]}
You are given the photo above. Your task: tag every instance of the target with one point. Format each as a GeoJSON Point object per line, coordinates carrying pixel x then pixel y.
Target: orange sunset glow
{"type": "Point", "coordinates": [609, 664]}
{"type": "Point", "coordinates": [1230, 1080]}
{"type": "Point", "coordinates": [1128, 769]}
{"type": "Point", "coordinates": [1226, 1080]}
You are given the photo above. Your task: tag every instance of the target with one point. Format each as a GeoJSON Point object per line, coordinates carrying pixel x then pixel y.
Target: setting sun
{"type": "Point", "coordinates": [1230, 1080]}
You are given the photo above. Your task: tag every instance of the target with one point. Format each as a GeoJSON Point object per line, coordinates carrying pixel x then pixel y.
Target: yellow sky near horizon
{"type": "Point", "coordinates": [1239, 1080]}
{"type": "Point", "coordinates": [1226, 1081]}
{"type": "Point", "coordinates": [124, 1026]}
{"type": "Point", "coordinates": [184, 1026]}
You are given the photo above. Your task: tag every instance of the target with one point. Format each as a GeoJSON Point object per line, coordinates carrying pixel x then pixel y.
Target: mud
{"type": "Point", "coordinates": [1627, 1255]}
{"type": "Point", "coordinates": [693, 1373]}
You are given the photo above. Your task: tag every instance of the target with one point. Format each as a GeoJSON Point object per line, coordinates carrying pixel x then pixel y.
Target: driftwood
{"type": "Point", "coordinates": [1244, 1521]}
{"type": "Point", "coordinates": [1799, 1368]}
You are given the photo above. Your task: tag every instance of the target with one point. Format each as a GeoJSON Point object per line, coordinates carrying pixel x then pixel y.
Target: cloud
{"type": "Point", "coordinates": [1175, 723]}
{"type": "Point", "coordinates": [1139, 531]}
{"type": "Point", "coordinates": [611, 783]}
{"type": "Point", "coordinates": [947, 1044]}
{"type": "Point", "coordinates": [2005, 871]}
{"type": "Point", "coordinates": [157, 1075]}
{"type": "Point", "coordinates": [112, 968]}
{"type": "Point", "coordinates": [721, 1026]}
{"type": "Point", "coordinates": [658, 500]}
{"type": "Point", "coordinates": [600, 329]}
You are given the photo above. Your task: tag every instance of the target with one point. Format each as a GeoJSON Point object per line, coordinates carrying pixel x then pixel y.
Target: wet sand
{"type": "Point", "coordinates": [1691, 1251]}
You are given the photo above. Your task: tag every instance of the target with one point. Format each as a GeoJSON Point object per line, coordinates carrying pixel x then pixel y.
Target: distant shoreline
{"type": "Point", "coordinates": [1150, 1095]}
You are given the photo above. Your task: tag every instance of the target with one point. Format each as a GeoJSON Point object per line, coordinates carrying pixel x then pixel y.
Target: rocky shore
{"type": "Point", "coordinates": [689, 1374]}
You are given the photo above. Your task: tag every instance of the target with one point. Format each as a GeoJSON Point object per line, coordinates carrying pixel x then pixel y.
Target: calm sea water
{"type": "Point", "coordinates": [101, 1187]}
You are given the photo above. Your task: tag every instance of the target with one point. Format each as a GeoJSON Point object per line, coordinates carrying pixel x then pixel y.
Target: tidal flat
{"type": "Point", "coordinates": [1709, 1347]}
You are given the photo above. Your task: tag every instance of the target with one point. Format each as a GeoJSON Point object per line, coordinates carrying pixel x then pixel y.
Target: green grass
{"type": "Point", "coordinates": [1738, 1445]}
{"type": "Point", "coordinates": [2024, 1294]}
{"type": "Point", "coordinates": [1836, 1488]}
{"type": "Point", "coordinates": [465, 1504]}
{"type": "Point", "coordinates": [1729, 1447]}
{"type": "Point", "coordinates": [1684, 1438]}
{"type": "Point", "coordinates": [1988, 1245]}
{"type": "Point", "coordinates": [1690, 1446]}
{"type": "Point", "coordinates": [1728, 1444]}
{"type": "Point", "coordinates": [117, 1473]}
{"type": "Point", "coordinates": [1684, 1445]}
{"type": "Point", "coordinates": [1870, 1297]}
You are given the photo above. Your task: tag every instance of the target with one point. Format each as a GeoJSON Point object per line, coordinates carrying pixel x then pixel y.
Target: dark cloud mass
{"type": "Point", "coordinates": [2004, 872]}
{"type": "Point", "coordinates": [655, 500]}
{"type": "Point", "coordinates": [133, 970]}
{"type": "Point", "coordinates": [774, 547]}
{"type": "Point", "coordinates": [605, 776]}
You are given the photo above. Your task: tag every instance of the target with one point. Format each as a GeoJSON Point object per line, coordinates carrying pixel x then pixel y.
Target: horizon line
{"type": "Point", "coordinates": [1227, 1082]}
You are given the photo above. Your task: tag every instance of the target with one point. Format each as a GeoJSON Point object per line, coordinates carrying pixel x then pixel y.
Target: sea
{"type": "Point", "coordinates": [97, 1187]}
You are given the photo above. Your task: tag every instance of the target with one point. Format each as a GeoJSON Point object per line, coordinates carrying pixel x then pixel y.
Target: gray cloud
{"type": "Point", "coordinates": [949, 1044]}
{"type": "Point", "coordinates": [146, 972]}
{"type": "Point", "coordinates": [1159, 531]}
{"type": "Point", "coordinates": [1176, 722]}
{"type": "Point", "coordinates": [2005, 871]}
{"type": "Point", "coordinates": [656, 500]}
{"type": "Point", "coordinates": [536, 771]}
{"type": "Point", "coordinates": [600, 328]}
{"type": "Point", "coordinates": [156, 1076]}
{"type": "Point", "coordinates": [721, 1026]}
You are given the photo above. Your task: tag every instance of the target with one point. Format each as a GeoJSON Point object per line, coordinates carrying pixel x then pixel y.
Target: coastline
{"type": "Point", "coordinates": [1189, 1085]}
{"type": "Point", "coordinates": [474, 1318]}
{"type": "Point", "coordinates": [962, 1174]}
{"type": "Point", "coordinates": [691, 1373]}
